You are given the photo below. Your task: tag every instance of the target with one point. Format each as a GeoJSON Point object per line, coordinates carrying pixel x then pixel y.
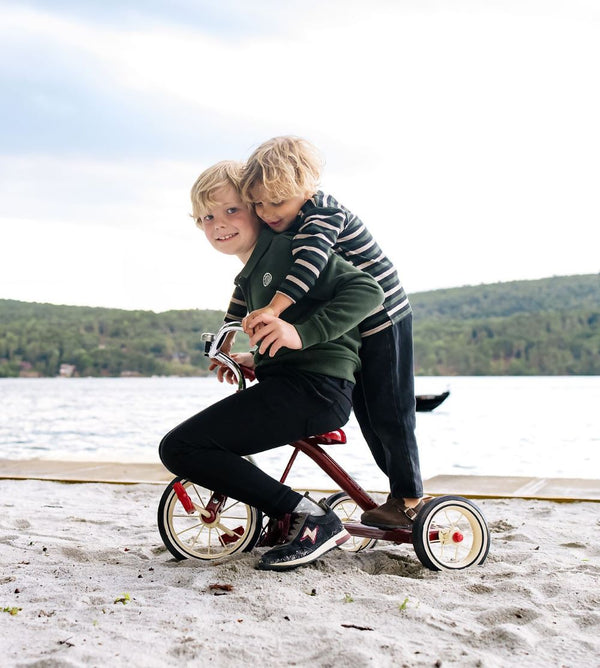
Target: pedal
{"type": "Point", "coordinates": [226, 539]}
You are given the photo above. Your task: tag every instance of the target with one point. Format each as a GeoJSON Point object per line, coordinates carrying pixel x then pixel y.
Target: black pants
{"type": "Point", "coordinates": [384, 405]}
{"type": "Point", "coordinates": [284, 406]}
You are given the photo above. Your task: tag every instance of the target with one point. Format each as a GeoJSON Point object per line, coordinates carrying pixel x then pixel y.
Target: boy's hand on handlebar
{"type": "Point", "coordinates": [224, 373]}
{"type": "Point", "coordinates": [244, 359]}
{"type": "Point", "coordinates": [273, 333]}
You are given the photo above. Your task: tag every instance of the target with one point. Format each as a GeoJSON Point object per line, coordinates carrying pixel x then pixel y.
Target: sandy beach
{"type": "Point", "coordinates": [86, 581]}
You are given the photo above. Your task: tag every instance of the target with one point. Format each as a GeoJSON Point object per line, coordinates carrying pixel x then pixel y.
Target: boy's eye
{"type": "Point", "coordinates": [232, 209]}
{"type": "Point", "coordinates": [208, 218]}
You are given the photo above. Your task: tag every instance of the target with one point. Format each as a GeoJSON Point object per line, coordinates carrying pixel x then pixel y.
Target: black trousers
{"type": "Point", "coordinates": [384, 405]}
{"type": "Point", "coordinates": [284, 406]}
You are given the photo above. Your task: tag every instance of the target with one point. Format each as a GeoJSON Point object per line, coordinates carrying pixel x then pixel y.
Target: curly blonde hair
{"type": "Point", "coordinates": [285, 166]}
{"type": "Point", "coordinates": [224, 173]}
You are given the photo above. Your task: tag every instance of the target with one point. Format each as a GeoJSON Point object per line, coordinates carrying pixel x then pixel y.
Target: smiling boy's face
{"type": "Point", "coordinates": [231, 226]}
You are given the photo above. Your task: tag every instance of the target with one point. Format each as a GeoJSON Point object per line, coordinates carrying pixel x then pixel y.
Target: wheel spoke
{"type": "Point", "coordinates": [225, 529]}
{"type": "Point", "coordinates": [198, 525]}
{"type": "Point", "coordinates": [200, 530]}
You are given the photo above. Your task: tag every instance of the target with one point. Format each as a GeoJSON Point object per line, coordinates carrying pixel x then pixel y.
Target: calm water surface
{"type": "Point", "coordinates": [539, 426]}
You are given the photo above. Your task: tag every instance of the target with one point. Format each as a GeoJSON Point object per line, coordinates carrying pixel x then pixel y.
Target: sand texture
{"type": "Point", "coordinates": [89, 583]}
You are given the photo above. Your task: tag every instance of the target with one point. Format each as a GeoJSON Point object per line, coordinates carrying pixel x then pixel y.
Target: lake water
{"type": "Point", "coordinates": [530, 426]}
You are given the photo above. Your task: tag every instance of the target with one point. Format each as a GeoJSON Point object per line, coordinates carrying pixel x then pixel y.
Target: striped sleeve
{"type": "Point", "coordinates": [317, 234]}
{"type": "Point", "coordinates": [237, 308]}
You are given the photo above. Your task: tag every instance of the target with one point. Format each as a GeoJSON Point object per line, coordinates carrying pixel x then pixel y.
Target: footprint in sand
{"type": "Point", "coordinates": [501, 525]}
{"type": "Point", "coordinates": [385, 563]}
{"type": "Point", "coordinates": [510, 615]}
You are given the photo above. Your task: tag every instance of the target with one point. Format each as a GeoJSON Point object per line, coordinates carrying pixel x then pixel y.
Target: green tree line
{"type": "Point", "coordinates": [545, 327]}
{"type": "Point", "coordinates": [36, 339]}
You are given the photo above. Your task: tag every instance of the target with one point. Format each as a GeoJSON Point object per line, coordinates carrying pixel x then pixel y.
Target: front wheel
{"type": "Point", "coordinates": [450, 533]}
{"type": "Point", "coordinates": [235, 528]}
{"type": "Point", "coordinates": [349, 511]}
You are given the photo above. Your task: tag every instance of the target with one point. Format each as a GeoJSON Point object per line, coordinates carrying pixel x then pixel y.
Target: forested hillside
{"type": "Point", "coordinates": [559, 293]}
{"type": "Point", "coordinates": [545, 327]}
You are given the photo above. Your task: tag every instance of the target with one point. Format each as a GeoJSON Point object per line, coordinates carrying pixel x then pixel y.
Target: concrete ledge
{"type": "Point", "coordinates": [470, 486]}
{"type": "Point", "coordinates": [482, 487]}
{"type": "Point", "coordinates": [83, 471]}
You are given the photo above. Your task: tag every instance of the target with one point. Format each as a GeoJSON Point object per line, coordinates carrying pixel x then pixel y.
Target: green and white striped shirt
{"type": "Point", "coordinates": [323, 224]}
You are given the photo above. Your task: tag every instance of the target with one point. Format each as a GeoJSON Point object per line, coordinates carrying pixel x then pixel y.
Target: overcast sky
{"type": "Point", "coordinates": [464, 133]}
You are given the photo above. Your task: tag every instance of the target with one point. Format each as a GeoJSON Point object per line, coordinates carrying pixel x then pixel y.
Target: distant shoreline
{"type": "Point", "coordinates": [547, 327]}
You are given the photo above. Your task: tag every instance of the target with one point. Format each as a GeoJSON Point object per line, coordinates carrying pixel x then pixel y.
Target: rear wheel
{"type": "Point", "coordinates": [349, 511]}
{"type": "Point", "coordinates": [450, 533]}
{"type": "Point", "coordinates": [235, 529]}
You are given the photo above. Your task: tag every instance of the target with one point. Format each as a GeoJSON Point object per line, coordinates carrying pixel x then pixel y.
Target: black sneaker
{"type": "Point", "coordinates": [310, 537]}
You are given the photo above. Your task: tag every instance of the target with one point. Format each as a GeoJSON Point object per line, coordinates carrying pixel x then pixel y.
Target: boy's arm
{"type": "Point", "coordinates": [349, 295]}
{"type": "Point", "coordinates": [237, 308]}
{"type": "Point", "coordinates": [356, 295]}
{"type": "Point", "coordinates": [310, 248]}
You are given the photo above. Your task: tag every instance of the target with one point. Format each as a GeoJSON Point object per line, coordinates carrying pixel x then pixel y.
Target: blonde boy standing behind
{"type": "Point", "coordinates": [280, 180]}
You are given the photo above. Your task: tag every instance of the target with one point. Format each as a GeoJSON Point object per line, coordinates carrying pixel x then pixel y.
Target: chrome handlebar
{"type": "Point", "coordinates": [212, 349]}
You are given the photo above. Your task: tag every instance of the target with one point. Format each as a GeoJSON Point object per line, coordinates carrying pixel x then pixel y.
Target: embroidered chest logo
{"type": "Point", "coordinates": [267, 278]}
{"type": "Point", "coordinates": [310, 534]}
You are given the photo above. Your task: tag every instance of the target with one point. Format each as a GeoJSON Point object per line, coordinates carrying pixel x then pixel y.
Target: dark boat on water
{"type": "Point", "coordinates": [427, 402]}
